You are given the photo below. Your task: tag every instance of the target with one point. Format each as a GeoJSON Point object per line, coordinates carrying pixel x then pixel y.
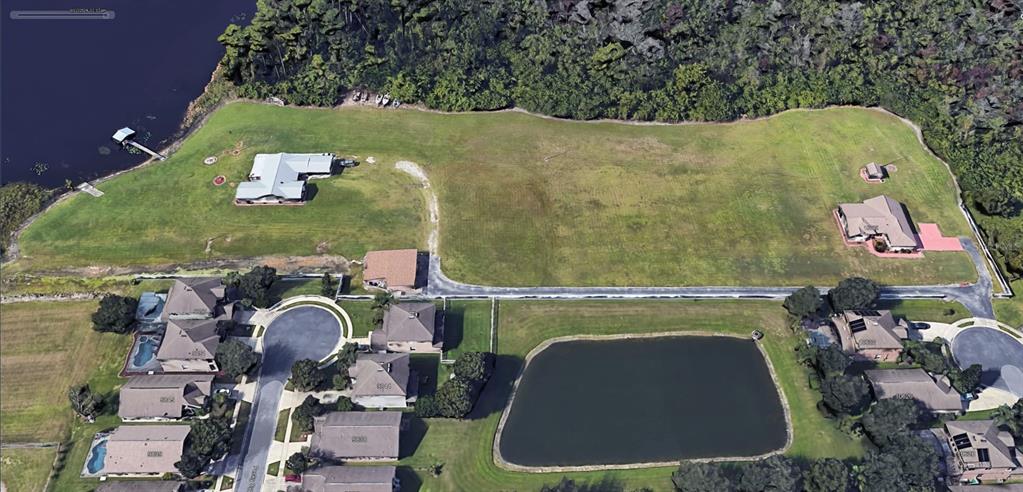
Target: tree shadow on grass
{"type": "Point", "coordinates": [454, 327]}
{"type": "Point", "coordinates": [425, 366]}
{"type": "Point", "coordinates": [411, 436]}
{"type": "Point", "coordinates": [498, 389]}
{"type": "Point", "coordinates": [409, 479]}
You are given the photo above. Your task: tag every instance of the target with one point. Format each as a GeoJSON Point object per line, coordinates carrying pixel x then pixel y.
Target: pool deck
{"type": "Point", "coordinates": [99, 438]}
{"type": "Point", "coordinates": [129, 368]}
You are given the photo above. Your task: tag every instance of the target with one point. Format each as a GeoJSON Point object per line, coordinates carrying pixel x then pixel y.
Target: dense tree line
{"type": "Point", "coordinates": [18, 202]}
{"type": "Point", "coordinates": [952, 66]}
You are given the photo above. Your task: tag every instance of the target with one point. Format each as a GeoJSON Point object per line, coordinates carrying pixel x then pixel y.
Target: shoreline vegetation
{"type": "Point", "coordinates": [590, 166]}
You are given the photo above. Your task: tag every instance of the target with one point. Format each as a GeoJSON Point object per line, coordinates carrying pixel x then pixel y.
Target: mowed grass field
{"type": "Point", "coordinates": [47, 347]}
{"type": "Point", "coordinates": [26, 469]}
{"type": "Point", "coordinates": [526, 200]}
{"type": "Point", "coordinates": [465, 447]}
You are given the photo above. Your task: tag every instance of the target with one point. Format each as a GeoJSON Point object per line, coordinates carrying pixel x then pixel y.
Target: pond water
{"type": "Point", "coordinates": [68, 85]}
{"type": "Point", "coordinates": [643, 400]}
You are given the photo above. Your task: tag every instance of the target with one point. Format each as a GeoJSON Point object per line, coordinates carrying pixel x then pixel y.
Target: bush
{"type": "Point", "coordinates": [298, 462]}
{"type": "Point", "coordinates": [474, 366]}
{"type": "Point", "coordinates": [303, 415]}
{"type": "Point", "coordinates": [344, 404]}
{"type": "Point", "coordinates": [455, 398]}
{"type": "Point", "coordinates": [115, 314]}
{"type": "Point", "coordinates": [426, 407]}
{"type": "Point", "coordinates": [327, 286]}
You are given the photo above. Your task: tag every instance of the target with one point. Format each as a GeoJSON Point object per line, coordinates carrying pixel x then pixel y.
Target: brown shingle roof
{"type": "Point", "coordinates": [394, 268]}
{"type": "Point", "coordinates": [144, 449]}
{"type": "Point", "coordinates": [380, 375]}
{"type": "Point", "coordinates": [916, 383]}
{"type": "Point", "coordinates": [349, 478]}
{"type": "Point", "coordinates": [879, 215]}
{"type": "Point", "coordinates": [410, 322]}
{"type": "Point", "coordinates": [358, 435]}
{"type": "Point", "coordinates": [162, 395]}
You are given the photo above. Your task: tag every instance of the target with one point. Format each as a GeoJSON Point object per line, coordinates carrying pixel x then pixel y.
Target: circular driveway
{"type": "Point", "coordinates": [1000, 354]}
{"type": "Point", "coordinates": [301, 332]}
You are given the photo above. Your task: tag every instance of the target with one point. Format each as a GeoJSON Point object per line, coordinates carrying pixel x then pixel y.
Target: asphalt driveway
{"type": "Point", "coordinates": [997, 352]}
{"type": "Point", "coordinates": [304, 332]}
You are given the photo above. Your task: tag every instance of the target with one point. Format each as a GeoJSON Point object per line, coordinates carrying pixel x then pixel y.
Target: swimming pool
{"type": "Point", "coordinates": [96, 458]}
{"type": "Point", "coordinates": [145, 351]}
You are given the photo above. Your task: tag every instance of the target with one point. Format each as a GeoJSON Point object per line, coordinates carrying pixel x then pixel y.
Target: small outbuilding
{"type": "Point", "coordinates": [874, 172]}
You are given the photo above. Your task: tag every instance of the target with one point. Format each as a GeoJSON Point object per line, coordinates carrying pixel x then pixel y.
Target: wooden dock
{"type": "Point", "coordinates": [145, 149]}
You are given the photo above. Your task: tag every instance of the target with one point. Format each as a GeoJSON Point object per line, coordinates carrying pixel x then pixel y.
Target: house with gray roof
{"type": "Point", "coordinates": [980, 451]}
{"type": "Point", "coordinates": [867, 334]}
{"type": "Point", "coordinates": [140, 450]}
{"type": "Point", "coordinates": [351, 478]}
{"type": "Point", "coordinates": [878, 219]}
{"type": "Point", "coordinates": [196, 298]}
{"type": "Point", "coordinates": [163, 396]}
{"type": "Point", "coordinates": [382, 380]}
{"type": "Point", "coordinates": [936, 395]}
{"type": "Point", "coordinates": [189, 346]}
{"type": "Point", "coordinates": [410, 327]}
{"type": "Point", "coordinates": [372, 436]}
{"type": "Point", "coordinates": [281, 178]}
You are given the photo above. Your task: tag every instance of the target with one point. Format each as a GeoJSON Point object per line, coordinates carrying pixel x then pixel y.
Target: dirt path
{"type": "Point", "coordinates": [417, 172]}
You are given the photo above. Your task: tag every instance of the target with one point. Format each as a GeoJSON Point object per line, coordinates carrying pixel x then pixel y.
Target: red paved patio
{"type": "Point", "coordinates": [932, 240]}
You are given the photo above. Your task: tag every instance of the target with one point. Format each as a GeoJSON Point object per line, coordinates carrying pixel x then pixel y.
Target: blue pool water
{"type": "Point", "coordinates": [99, 454]}
{"type": "Point", "coordinates": [145, 351]}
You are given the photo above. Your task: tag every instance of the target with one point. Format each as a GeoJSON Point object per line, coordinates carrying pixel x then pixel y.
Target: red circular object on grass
{"type": "Point", "coordinates": [219, 180]}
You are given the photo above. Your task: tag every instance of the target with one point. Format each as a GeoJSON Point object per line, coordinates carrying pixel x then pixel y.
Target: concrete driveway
{"type": "Point", "coordinates": [1000, 354]}
{"type": "Point", "coordinates": [305, 332]}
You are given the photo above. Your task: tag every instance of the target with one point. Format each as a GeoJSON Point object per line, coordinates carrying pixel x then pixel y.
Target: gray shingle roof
{"type": "Point", "coordinates": [879, 215]}
{"type": "Point", "coordinates": [189, 339]}
{"type": "Point", "coordinates": [349, 478]}
{"type": "Point", "coordinates": [984, 434]}
{"type": "Point", "coordinates": [358, 435]}
{"type": "Point", "coordinates": [879, 330]}
{"type": "Point", "coordinates": [915, 383]}
{"type": "Point", "coordinates": [410, 322]}
{"type": "Point", "coordinates": [144, 449]}
{"type": "Point", "coordinates": [193, 298]}
{"type": "Point", "coordinates": [162, 395]}
{"type": "Point", "coordinates": [380, 375]}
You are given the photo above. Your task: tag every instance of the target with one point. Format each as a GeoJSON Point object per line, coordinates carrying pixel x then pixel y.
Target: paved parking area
{"type": "Point", "coordinates": [304, 332]}
{"type": "Point", "coordinates": [1000, 354]}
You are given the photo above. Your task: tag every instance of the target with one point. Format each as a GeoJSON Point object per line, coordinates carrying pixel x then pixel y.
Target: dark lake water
{"type": "Point", "coordinates": [643, 400]}
{"type": "Point", "coordinates": [68, 85]}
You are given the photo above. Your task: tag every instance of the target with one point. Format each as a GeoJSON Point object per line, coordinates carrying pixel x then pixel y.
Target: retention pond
{"type": "Point", "coordinates": [643, 400]}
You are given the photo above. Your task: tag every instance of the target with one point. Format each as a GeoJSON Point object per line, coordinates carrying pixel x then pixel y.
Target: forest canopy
{"type": "Point", "coordinates": [953, 67]}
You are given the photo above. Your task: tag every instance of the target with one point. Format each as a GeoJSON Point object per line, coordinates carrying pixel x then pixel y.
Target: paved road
{"type": "Point", "coordinates": [976, 297]}
{"type": "Point", "coordinates": [300, 333]}
{"type": "Point", "coordinates": [997, 352]}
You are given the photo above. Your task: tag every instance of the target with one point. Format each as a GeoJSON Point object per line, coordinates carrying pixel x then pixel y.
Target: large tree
{"type": "Point", "coordinates": [455, 398]}
{"type": "Point", "coordinates": [235, 358]}
{"type": "Point", "coordinates": [826, 475]}
{"type": "Point", "coordinates": [700, 477]}
{"type": "Point", "coordinates": [854, 293]}
{"type": "Point", "coordinates": [474, 366]}
{"type": "Point", "coordinates": [254, 286]}
{"type": "Point", "coordinates": [115, 314]}
{"type": "Point", "coordinates": [890, 417]}
{"type": "Point", "coordinates": [303, 415]}
{"type": "Point", "coordinates": [803, 302]}
{"type": "Point", "coordinates": [846, 395]}
{"type": "Point", "coordinates": [775, 473]}
{"type": "Point", "coordinates": [306, 375]}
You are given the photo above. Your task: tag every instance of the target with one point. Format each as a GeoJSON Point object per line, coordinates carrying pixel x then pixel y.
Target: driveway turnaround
{"type": "Point", "coordinates": [1000, 354]}
{"type": "Point", "coordinates": [304, 332]}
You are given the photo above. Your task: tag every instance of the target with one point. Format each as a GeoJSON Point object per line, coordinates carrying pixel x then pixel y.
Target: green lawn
{"type": "Point", "coordinates": [281, 431]}
{"type": "Point", "coordinates": [69, 479]}
{"type": "Point", "coordinates": [26, 470]}
{"type": "Point", "coordinates": [465, 447]}
{"type": "Point", "coordinates": [1010, 311]}
{"type": "Point", "coordinates": [362, 316]}
{"type": "Point", "coordinates": [529, 201]}
{"type": "Point", "coordinates": [466, 328]}
{"type": "Point", "coordinates": [47, 347]}
{"type": "Point", "coordinates": [927, 310]}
